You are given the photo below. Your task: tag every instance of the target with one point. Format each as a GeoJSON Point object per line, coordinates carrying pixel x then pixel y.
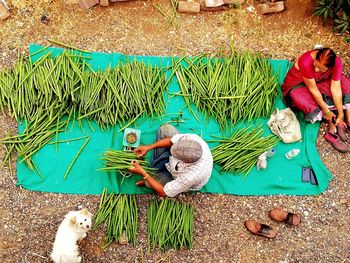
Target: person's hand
{"type": "Point", "coordinates": [136, 168]}
{"type": "Point", "coordinates": [339, 120]}
{"type": "Point", "coordinates": [141, 183]}
{"type": "Point", "coordinates": [141, 150]}
{"type": "Point", "coordinates": [329, 115]}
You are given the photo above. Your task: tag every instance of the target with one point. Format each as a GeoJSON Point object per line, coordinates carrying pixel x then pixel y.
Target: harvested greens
{"type": "Point", "coordinates": [170, 224]}
{"type": "Point", "coordinates": [119, 213]}
{"type": "Point", "coordinates": [239, 87]}
{"type": "Point", "coordinates": [239, 153]}
{"type": "Point", "coordinates": [120, 161]}
{"type": "Point", "coordinates": [41, 93]}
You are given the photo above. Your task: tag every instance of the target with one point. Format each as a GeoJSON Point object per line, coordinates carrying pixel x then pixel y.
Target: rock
{"type": "Point", "coordinates": [343, 201]}
{"type": "Point", "coordinates": [104, 2]}
{"type": "Point", "coordinates": [86, 4]}
{"type": "Point", "coordinates": [69, 2]}
{"type": "Point", "coordinates": [234, 2]}
{"type": "Point", "coordinates": [123, 239]}
{"type": "Point", "coordinates": [4, 11]}
{"type": "Point", "coordinates": [189, 7]}
{"type": "Point", "coordinates": [269, 8]}
{"type": "Point", "coordinates": [212, 9]}
{"type": "Point", "coordinates": [45, 19]}
{"type": "Point", "coordinates": [214, 3]}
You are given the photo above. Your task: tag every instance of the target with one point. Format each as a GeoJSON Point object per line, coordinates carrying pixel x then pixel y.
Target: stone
{"type": "Point", "coordinates": [104, 2]}
{"type": "Point", "coordinates": [4, 11]}
{"type": "Point", "coordinates": [234, 2]}
{"type": "Point", "coordinates": [189, 7]}
{"type": "Point", "coordinates": [86, 4]}
{"type": "Point", "coordinates": [269, 8]}
{"type": "Point", "coordinates": [214, 3]}
{"type": "Point", "coordinates": [70, 2]}
{"type": "Point", "coordinates": [211, 9]}
{"type": "Point", "coordinates": [343, 201]}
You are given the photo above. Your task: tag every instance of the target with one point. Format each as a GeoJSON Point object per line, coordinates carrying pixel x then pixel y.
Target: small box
{"type": "Point", "coordinates": [131, 138]}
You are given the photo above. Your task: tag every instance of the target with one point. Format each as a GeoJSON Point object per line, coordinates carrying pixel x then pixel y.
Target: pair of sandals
{"type": "Point", "coordinates": [276, 214]}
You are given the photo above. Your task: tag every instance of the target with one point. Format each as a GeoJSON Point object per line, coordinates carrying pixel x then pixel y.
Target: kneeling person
{"type": "Point", "coordinates": [183, 162]}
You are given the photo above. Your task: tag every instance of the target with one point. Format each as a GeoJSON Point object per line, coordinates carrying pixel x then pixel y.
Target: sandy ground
{"type": "Point", "coordinates": [29, 220]}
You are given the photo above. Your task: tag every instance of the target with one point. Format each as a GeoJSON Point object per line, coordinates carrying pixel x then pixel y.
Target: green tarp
{"type": "Point", "coordinates": [282, 176]}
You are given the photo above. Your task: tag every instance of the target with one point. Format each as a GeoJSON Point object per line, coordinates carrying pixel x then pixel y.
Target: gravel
{"type": "Point", "coordinates": [29, 220]}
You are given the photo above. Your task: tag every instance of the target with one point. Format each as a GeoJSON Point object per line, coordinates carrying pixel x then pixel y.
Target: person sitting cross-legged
{"type": "Point", "coordinates": [316, 86]}
{"type": "Point", "coordinates": [183, 162]}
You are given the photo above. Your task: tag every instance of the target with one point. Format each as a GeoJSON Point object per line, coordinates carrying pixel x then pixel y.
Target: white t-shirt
{"type": "Point", "coordinates": [189, 176]}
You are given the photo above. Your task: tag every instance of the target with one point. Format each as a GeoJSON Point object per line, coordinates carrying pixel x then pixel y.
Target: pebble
{"type": "Point", "coordinates": [343, 201]}
{"type": "Point", "coordinates": [257, 207]}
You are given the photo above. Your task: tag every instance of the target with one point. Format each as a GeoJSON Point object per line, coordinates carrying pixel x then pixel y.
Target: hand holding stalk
{"type": "Point", "coordinates": [141, 150]}
{"type": "Point", "coordinates": [137, 169]}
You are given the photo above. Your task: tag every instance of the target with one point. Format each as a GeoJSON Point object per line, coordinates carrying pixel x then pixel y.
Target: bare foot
{"type": "Point", "coordinates": [140, 183]}
{"type": "Point", "coordinates": [332, 128]}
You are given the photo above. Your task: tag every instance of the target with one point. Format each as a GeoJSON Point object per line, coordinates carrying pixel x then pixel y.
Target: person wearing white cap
{"type": "Point", "coordinates": [183, 161]}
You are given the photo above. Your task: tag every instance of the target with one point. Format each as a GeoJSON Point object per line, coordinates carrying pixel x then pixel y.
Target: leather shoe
{"type": "Point", "coordinates": [281, 215]}
{"type": "Point", "coordinates": [336, 142]}
{"type": "Point", "coordinates": [341, 131]}
{"type": "Point", "coordinates": [260, 229]}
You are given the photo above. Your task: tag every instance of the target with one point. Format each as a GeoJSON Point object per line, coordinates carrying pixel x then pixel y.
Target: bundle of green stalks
{"type": "Point", "coordinates": [41, 93]}
{"type": "Point", "coordinates": [239, 153]}
{"type": "Point", "coordinates": [238, 87]}
{"type": "Point", "coordinates": [170, 224]}
{"type": "Point", "coordinates": [119, 213]}
{"type": "Point", "coordinates": [39, 131]}
{"type": "Point", "coordinates": [120, 161]}
{"type": "Point", "coordinates": [110, 97]}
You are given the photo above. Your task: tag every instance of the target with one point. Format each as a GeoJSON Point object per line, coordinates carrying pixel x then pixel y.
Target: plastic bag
{"type": "Point", "coordinates": [285, 125]}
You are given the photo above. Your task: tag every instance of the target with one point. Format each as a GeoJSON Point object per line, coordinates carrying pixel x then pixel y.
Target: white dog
{"type": "Point", "coordinates": [73, 228]}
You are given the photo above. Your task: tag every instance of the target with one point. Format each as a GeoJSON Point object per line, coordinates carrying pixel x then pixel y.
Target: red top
{"type": "Point", "coordinates": [307, 70]}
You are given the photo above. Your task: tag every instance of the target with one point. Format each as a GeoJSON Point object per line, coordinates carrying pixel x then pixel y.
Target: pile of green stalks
{"type": "Point", "coordinates": [239, 153]}
{"type": "Point", "coordinates": [170, 224]}
{"type": "Point", "coordinates": [119, 213]}
{"type": "Point", "coordinates": [232, 88]}
{"type": "Point", "coordinates": [120, 161]}
{"type": "Point", "coordinates": [39, 131]}
{"type": "Point", "coordinates": [110, 97]}
{"type": "Point", "coordinates": [49, 93]}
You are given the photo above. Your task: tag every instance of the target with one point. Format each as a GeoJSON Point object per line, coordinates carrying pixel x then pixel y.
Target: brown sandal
{"type": "Point", "coordinates": [260, 229]}
{"type": "Point", "coordinates": [281, 215]}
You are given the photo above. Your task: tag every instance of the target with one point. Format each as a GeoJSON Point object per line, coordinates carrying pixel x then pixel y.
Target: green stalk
{"type": "Point", "coordinates": [75, 158]}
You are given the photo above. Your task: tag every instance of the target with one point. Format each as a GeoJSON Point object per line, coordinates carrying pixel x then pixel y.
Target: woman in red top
{"type": "Point", "coordinates": [316, 86]}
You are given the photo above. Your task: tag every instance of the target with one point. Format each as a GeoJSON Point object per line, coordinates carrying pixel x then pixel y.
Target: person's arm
{"type": "Point", "coordinates": [143, 149]}
{"type": "Point", "coordinates": [316, 94]}
{"type": "Point", "coordinates": [155, 185]}
{"type": "Point", "coordinates": [337, 98]}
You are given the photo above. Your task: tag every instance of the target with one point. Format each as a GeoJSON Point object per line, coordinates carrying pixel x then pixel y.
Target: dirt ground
{"type": "Point", "coordinates": [29, 220]}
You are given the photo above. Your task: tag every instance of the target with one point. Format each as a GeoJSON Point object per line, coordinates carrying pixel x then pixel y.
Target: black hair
{"type": "Point", "coordinates": [326, 56]}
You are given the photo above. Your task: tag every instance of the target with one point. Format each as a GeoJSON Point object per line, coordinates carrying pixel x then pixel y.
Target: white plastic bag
{"type": "Point", "coordinates": [285, 125]}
